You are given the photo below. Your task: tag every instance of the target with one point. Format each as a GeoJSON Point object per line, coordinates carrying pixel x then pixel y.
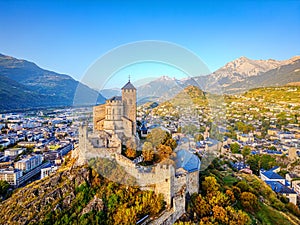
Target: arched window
{"type": "Point", "coordinates": [130, 101]}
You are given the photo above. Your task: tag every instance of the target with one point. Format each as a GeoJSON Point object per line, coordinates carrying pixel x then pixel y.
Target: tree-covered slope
{"type": "Point", "coordinates": [228, 197]}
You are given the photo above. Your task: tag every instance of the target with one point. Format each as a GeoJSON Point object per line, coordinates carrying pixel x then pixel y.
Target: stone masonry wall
{"type": "Point", "coordinates": [193, 182]}
{"type": "Point", "coordinates": [169, 217]}
{"type": "Point", "coordinates": [160, 178]}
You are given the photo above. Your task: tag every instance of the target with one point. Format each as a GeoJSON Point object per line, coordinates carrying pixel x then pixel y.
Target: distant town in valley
{"type": "Point", "coordinates": [188, 156]}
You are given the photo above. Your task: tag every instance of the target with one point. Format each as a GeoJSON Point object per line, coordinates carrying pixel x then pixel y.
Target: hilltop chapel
{"type": "Point", "coordinates": [118, 114]}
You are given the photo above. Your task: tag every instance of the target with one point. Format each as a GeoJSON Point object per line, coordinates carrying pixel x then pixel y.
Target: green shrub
{"type": "Point", "coordinates": [293, 209]}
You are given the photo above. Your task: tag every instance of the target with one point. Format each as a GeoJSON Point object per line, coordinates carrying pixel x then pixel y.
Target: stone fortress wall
{"type": "Point", "coordinates": [162, 179]}
{"type": "Point", "coordinates": [159, 178]}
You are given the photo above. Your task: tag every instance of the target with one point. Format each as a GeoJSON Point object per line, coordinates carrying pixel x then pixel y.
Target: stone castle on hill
{"type": "Point", "coordinates": [115, 122]}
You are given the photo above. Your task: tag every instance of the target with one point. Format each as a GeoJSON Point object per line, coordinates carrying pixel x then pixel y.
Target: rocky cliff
{"type": "Point", "coordinates": [78, 195]}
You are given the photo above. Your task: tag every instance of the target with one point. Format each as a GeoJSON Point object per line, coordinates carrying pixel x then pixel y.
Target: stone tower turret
{"type": "Point", "coordinates": [129, 102]}
{"type": "Point", "coordinates": [83, 140]}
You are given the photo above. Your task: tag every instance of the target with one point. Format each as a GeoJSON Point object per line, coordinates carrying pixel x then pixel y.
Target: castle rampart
{"type": "Point", "coordinates": [159, 178]}
{"type": "Point", "coordinates": [116, 121]}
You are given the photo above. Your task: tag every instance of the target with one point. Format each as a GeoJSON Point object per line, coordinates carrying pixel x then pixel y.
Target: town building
{"type": "Point", "coordinates": [11, 175]}
{"type": "Point", "coordinates": [290, 177]}
{"type": "Point", "coordinates": [13, 151]}
{"type": "Point", "coordinates": [246, 138]}
{"type": "Point", "coordinates": [271, 175]}
{"type": "Point", "coordinates": [292, 153]}
{"type": "Point", "coordinates": [296, 187]}
{"type": "Point", "coordinates": [29, 163]}
{"type": "Point", "coordinates": [278, 183]}
{"type": "Point", "coordinates": [272, 132]}
{"type": "Point", "coordinates": [46, 171]}
{"type": "Point", "coordinates": [144, 130]}
{"type": "Point", "coordinates": [280, 188]}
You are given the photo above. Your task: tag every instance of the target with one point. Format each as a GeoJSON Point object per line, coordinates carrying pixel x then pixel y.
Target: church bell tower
{"type": "Point", "coordinates": [129, 102]}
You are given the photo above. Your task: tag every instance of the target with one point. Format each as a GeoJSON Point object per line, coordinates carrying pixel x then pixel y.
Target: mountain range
{"type": "Point", "coordinates": [25, 85]}
{"type": "Point", "coordinates": [236, 76]}
{"type": "Point", "coordinates": [243, 74]}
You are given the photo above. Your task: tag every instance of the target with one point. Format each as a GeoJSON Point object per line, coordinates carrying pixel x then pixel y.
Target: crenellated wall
{"type": "Point", "coordinates": [160, 178]}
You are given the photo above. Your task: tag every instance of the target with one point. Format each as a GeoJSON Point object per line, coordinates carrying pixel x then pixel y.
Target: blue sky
{"type": "Point", "coordinates": [68, 36]}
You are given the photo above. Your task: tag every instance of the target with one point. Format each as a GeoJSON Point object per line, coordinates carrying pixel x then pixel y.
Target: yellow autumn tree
{"type": "Point", "coordinates": [130, 149]}
{"type": "Point", "coordinates": [148, 152]}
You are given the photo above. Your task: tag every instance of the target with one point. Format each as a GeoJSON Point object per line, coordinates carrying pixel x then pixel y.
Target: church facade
{"type": "Point", "coordinates": [118, 114]}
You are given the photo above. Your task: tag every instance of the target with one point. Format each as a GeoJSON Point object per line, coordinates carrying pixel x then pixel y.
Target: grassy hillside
{"type": "Point", "coordinates": [288, 94]}
{"type": "Point", "coordinates": [189, 95]}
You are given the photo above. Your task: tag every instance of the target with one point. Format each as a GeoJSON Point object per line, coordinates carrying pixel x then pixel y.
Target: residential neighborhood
{"type": "Point", "coordinates": [251, 121]}
{"type": "Point", "coordinates": [34, 144]}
